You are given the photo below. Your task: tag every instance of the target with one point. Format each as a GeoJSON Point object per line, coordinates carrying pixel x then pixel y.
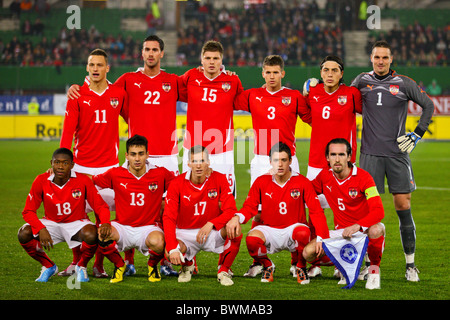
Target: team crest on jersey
{"type": "Point", "coordinates": [342, 100]}
{"type": "Point", "coordinates": [166, 86]}
{"type": "Point", "coordinates": [226, 86]}
{"type": "Point", "coordinates": [393, 89]}
{"type": "Point", "coordinates": [353, 192]}
{"type": "Point", "coordinates": [212, 193]}
{"type": "Point", "coordinates": [286, 101]}
{"type": "Point", "coordinates": [76, 194]}
{"type": "Point", "coordinates": [114, 102]}
{"type": "Point", "coordinates": [295, 194]}
{"type": "Point", "coordinates": [153, 186]}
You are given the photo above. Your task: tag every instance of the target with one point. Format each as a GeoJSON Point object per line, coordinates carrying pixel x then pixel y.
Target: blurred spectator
{"type": "Point", "coordinates": [434, 89]}
{"type": "Point", "coordinates": [38, 27]}
{"type": "Point", "coordinates": [42, 7]}
{"type": "Point", "coordinates": [26, 5]}
{"type": "Point", "coordinates": [15, 9]}
{"type": "Point", "coordinates": [27, 28]}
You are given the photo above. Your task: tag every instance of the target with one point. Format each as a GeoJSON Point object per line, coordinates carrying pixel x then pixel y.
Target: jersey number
{"type": "Point", "coordinates": [341, 204]}
{"type": "Point", "coordinates": [100, 116]}
{"type": "Point", "coordinates": [202, 206]}
{"type": "Point", "coordinates": [155, 95]}
{"type": "Point", "coordinates": [379, 94]}
{"type": "Point", "coordinates": [209, 95]}
{"type": "Point", "coordinates": [326, 112]}
{"type": "Point", "coordinates": [65, 209]}
{"type": "Point", "coordinates": [282, 208]}
{"type": "Point", "coordinates": [271, 114]}
{"type": "Point", "coordinates": [137, 199]}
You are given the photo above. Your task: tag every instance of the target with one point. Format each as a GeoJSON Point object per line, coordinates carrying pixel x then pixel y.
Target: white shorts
{"type": "Point", "coordinates": [311, 174]}
{"type": "Point", "coordinates": [221, 162]}
{"type": "Point", "coordinates": [214, 242]}
{"type": "Point", "coordinates": [336, 233]}
{"type": "Point", "coordinates": [63, 232]}
{"type": "Point", "coordinates": [278, 239]}
{"type": "Point", "coordinates": [260, 165]}
{"type": "Point", "coordinates": [107, 194]}
{"type": "Point", "coordinates": [133, 237]}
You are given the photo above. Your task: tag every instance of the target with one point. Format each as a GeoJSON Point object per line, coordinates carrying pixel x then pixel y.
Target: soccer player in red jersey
{"type": "Point", "coordinates": [284, 226]}
{"type": "Point", "coordinates": [210, 96]}
{"type": "Point", "coordinates": [198, 206]}
{"type": "Point", "coordinates": [357, 207]}
{"type": "Point", "coordinates": [139, 191]}
{"type": "Point", "coordinates": [91, 121]}
{"type": "Point", "coordinates": [64, 194]}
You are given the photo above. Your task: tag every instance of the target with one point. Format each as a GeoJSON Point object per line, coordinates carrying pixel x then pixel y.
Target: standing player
{"type": "Point", "coordinates": [64, 194]}
{"type": "Point", "coordinates": [385, 147]}
{"type": "Point", "coordinates": [210, 96]}
{"type": "Point", "coordinates": [139, 191]}
{"type": "Point", "coordinates": [282, 197]}
{"type": "Point", "coordinates": [356, 204]}
{"type": "Point", "coordinates": [151, 112]}
{"type": "Point", "coordinates": [333, 107]}
{"type": "Point", "coordinates": [274, 111]}
{"type": "Point", "coordinates": [92, 121]}
{"type": "Point", "coordinates": [198, 206]}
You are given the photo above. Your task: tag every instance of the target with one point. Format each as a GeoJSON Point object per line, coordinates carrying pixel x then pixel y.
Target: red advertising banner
{"type": "Point", "coordinates": [441, 106]}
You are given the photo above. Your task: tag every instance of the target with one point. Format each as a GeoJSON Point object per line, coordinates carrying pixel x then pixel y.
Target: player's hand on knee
{"type": "Point", "coordinates": [45, 239]}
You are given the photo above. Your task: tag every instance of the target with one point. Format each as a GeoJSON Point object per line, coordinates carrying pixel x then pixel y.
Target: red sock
{"type": "Point", "coordinates": [154, 258]}
{"type": "Point", "coordinates": [301, 236]}
{"type": "Point", "coordinates": [258, 251]}
{"type": "Point", "coordinates": [34, 250]}
{"type": "Point", "coordinates": [110, 251]}
{"type": "Point", "coordinates": [99, 257]}
{"type": "Point", "coordinates": [375, 250]}
{"type": "Point", "coordinates": [76, 254]}
{"type": "Point", "coordinates": [229, 253]}
{"type": "Point", "coordinates": [129, 256]}
{"type": "Point", "coordinates": [87, 252]}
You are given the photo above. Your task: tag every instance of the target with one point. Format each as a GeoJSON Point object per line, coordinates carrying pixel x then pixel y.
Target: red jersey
{"type": "Point", "coordinates": [333, 116]}
{"type": "Point", "coordinates": [191, 206]}
{"type": "Point", "coordinates": [274, 116]}
{"type": "Point", "coordinates": [353, 200]}
{"type": "Point", "coordinates": [210, 110]}
{"type": "Point", "coordinates": [63, 204]}
{"type": "Point", "coordinates": [92, 121]}
{"type": "Point", "coordinates": [282, 206]}
{"type": "Point", "coordinates": [151, 109]}
{"type": "Point", "coordinates": [138, 199]}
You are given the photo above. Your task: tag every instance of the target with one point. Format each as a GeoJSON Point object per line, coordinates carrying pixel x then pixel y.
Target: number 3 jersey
{"type": "Point", "coordinates": [333, 116]}
{"type": "Point", "coordinates": [138, 199]}
{"type": "Point", "coordinates": [92, 121]}
{"type": "Point", "coordinates": [63, 204]}
{"type": "Point", "coordinates": [284, 205]}
{"type": "Point", "coordinates": [191, 206]}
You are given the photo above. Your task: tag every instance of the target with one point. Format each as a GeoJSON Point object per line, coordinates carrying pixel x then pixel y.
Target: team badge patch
{"type": "Point", "coordinates": [226, 86]}
{"type": "Point", "coordinates": [342, 100]}
{"type": "Point", "coordinates": [212, 193]}
{"type": "Point", "coordinates": [166, 86]}
{"type": "Point", "coordinates": [393, 89]}
{"type": "Point", "coordinates": [353, 192]}
{"type": "Point", "coordinates": [295, 194]}
{"type": "Point", "coordinates": [286, 101]}
{"type": "Point", "coordinates": [76, 194]}
{"type": "Point", "coordinates": [114, 102]}
{"type": "Point", "coordinates": [153, 186]}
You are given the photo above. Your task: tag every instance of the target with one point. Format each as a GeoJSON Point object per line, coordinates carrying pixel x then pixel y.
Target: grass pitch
{"type": "Point", "coordinates": [22, 161]}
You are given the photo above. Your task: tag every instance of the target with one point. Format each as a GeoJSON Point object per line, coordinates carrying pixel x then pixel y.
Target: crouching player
{"type": "Point", "coordinates": [282, 197]}
{"type": "Point", "coordinates": [64, 194]}
{"type": "Point", "coordinates": [139, 190]}
{"type": "Point", "coordinates": [356, 205]}
{"type": "Point", "coordinates": [198, 206]}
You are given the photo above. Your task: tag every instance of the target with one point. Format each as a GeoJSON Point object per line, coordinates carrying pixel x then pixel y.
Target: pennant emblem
{"type": "Point", "coordinates": [212, 193]}
{"type": "Point", "coordinates": [342, 100]}
{"type": "Point", "coordinates": [347, 255]}
{"type": "Point", "coordinates": [295, 194]}
{"type": "Point", "coordinates": [153, 186]}
{"type": "Point", "coordinates": [353, 192]}
{"type": "Point", "coordinates": [393, 89]}
{"type": "Point", "coordinates": [76, 194]}
{"type": "Point", "coordinates": [226, 86]}
{"type": "Point", "coordinates": [286, 101]}
{"type": "Point", "coordinates": [114, 102]}
{"type": "Point", "coordinates": [166, 86]}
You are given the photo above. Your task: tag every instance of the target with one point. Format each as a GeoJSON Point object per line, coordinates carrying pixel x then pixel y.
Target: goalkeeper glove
{"type": "Point", "coordinates": [407, 142]}
{"type": "Point", "coordinates": [311, 82]}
